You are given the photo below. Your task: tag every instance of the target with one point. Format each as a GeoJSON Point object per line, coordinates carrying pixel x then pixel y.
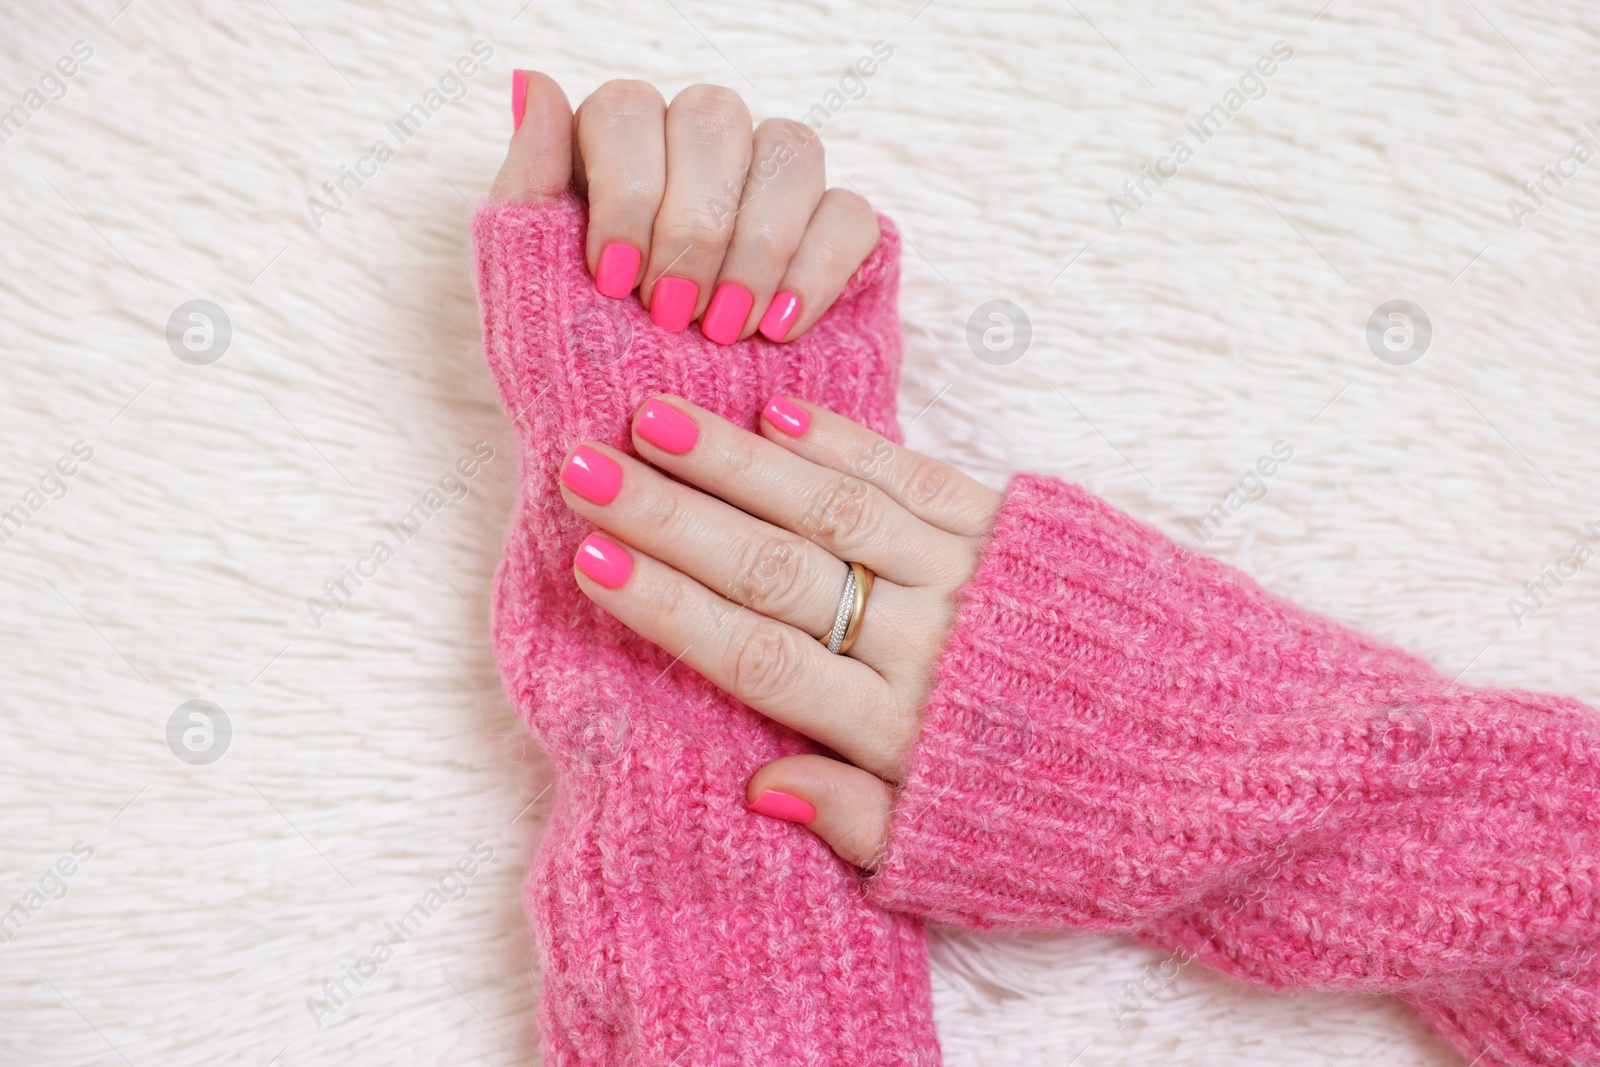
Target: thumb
{"type": "Point", "coordinates": [538, 165]}
{"type": "Point", "coordinates": [844, 805]}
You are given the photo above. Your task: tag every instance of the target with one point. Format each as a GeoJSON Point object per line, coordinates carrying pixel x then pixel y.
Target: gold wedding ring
{"type": "Point", "coordinates": [852, 608]}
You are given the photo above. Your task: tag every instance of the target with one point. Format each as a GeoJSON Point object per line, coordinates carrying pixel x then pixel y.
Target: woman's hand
{"type": "Point", "coordinates": [707, 218]}
{"type": "Point", "coordinates": [738, 577]}
{"type": "Point", "coordinates": [740, 571]}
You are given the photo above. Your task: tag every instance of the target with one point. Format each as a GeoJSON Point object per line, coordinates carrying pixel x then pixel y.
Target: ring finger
{"type": "Point", "coordinates": [708, 154]}
{"type": "Point", "coordinates": [780, 193]}
{"type": "Point", "coordinates": [746, 560]}
{"type": "Point", "coordinates": [769, 665]}
{"type": "Point", "coordinates": [622, 165]}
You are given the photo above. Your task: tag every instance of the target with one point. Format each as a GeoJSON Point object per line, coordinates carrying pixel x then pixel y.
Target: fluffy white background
{"type": "Point", "coordinates": [369, 754]}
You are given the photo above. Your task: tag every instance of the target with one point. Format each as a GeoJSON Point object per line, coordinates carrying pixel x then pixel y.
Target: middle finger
{"type": "Point", "coordinates": [780, 195]}
{"type": "Point", "coordinates": [708, 154]}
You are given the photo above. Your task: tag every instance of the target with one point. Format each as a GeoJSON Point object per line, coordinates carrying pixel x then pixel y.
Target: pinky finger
{"type": "Point", "coordinates": [842, 232]}
{"type": "Point", "coordinates": [844, 805]}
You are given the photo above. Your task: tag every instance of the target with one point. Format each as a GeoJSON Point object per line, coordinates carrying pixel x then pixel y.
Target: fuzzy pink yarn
{"type": "Point", "coordinates": [674, 926]}
{"type": "Point", "coordinates": [1123, 737]}
{"type": "Point", "coordinates": [1127, 737]}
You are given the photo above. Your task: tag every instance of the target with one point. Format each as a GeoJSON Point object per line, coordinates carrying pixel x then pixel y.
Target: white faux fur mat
{"type": "Point", "coordinates": [155, 910]}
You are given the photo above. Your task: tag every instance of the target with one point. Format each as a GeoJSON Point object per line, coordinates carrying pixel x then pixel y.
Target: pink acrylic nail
{"type": "Point", "coordinates": [519, 98]}
{"type": "Point", "coordinates": [617, 270]}
{"type": "Point", "coordinates": [591, 475]}
{"type": "Point", "coordinates": [780, 316]}
{"type": "Point", "coordinates": [782, 805]}
{"type": "Point", "coordinates": [726, 314]}
{"type": "Point", "coordinates": [787, 416]}
{"type": "Point", "coordinates": [672, 302]}
{"type": "Point", "coordinates": [604, 561]}
{"type": "Point", "coordinates": [666, 427]}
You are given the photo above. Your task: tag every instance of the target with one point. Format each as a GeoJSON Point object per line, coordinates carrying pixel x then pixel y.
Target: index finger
{"type": "Point", "coordinates": [622, 162]}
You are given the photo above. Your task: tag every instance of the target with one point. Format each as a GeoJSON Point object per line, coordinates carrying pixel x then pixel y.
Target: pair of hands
{"type": "Point", "coordinates": [727, 547]}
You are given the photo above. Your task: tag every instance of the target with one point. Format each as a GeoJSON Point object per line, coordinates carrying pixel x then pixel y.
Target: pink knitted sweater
{"type": "Point", "coordinates": [674, 925]}
{"type": "Point", "coordinates": [1123, 736]}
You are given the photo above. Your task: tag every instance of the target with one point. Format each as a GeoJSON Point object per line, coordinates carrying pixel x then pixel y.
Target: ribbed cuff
{"type": "Point", "coordinates": [1023, 804]}
{"type": "Point", "coordinates": [1125, 736]}
{"type": "Point", "coordinates": [1122, 731]}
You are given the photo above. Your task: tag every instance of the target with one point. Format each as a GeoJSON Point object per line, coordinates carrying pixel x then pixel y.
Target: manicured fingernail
{"type": "Point", "coordinates": [787, 416]}
{"type": "Point", "coordinates": [591, 475]}
{"type": "Point", "coordinates": [666, 427]}
{"type": "Point", "coordinates": [617, 270]}
{"type": "Point", "coordinates": [725, 315]}
{"type": "Point", "coordinates": [782, 806]}
{"type": "Point", "coordinates": [672, 302]}
{"type": "Point", "coordinates": [779, 316]}
{"type": "Point", "coordinates": [519, 98]}
{"type": "Point", "coordinates": [604, 561]}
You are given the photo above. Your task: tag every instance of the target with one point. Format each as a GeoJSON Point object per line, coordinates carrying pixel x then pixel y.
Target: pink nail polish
{"type": "Point", "coordinates": [780, 316]}
{"type": "Point", "coordinates": [666, 427]}
{"type": "Point", "coordinates": [726, 314]}
{"type": "Point", "coordinates": [617, 270]}
{"type": "Point", "coordinates": [593, 476]}
{"type": "Point", "coordinates": [787, 416]}
{"type": "Point", "coordinates": [604, 561]}
{"type": "Point", "coordinates": [519, 98]}
{"type": "Point", "coordinates": [782, 805]}
{"type": "Point", "coordinates": [672, 302]}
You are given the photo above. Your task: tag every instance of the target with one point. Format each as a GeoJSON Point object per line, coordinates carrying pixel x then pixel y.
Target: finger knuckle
{"type": "Point", "coordinates": [775, 577]}
{"type": "Point", "coordinates": [661, 516]}
{"type": "Point", "coordinates": [845, 514]}
{"type": "Point", "coordinates": [672, 611]}
{"type": "Point", "coordinates": [626, 96]}
{"type": "Point", "coordinates": [743, 456]}
{"type": "Point", "coordinates": [850, 204]}
{"type": "Point", "coordinates": [768, 240]}
{"type": "Point", "coordinates": [929, 483]}
{"type": "Point", "coordinates": [833, 257]}
{"type": "Point", "coordinates": [766, 663]}
{"type": "Point", "coordinates": [871, 461]}
{"type": "Point", "coordinates": [712, 111]}
{"type": "Point", "coordinates": [780, 129]}
{"type": "Point", "coordinates": [631, 188]}
{"type": "Point", "coordinates": [619, 187]}
{"type": "Point", "coordinates": [698, 229]}
{"type": "Point", "coordinates": [829, 261]}
{"type": "Point", "coordinates": [789, 139]}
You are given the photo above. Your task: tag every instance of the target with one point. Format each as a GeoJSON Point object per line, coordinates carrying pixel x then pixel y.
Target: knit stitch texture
{"type": "Point", "coordinates": [1127, 737]}
{"type": "Point", "coordinates": [673, 925]}
{"type": "Point", "coordinates": [1123, 736]}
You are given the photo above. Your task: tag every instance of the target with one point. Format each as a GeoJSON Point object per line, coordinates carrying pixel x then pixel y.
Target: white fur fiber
{"type": "Point", "coordinates": [1226, 314]}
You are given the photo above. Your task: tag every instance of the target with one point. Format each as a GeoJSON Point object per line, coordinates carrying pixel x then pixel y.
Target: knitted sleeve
{"type": "Point", "coordinates": [673, 926]}
{"type": "Point", "coordinates": [1124, 736]}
